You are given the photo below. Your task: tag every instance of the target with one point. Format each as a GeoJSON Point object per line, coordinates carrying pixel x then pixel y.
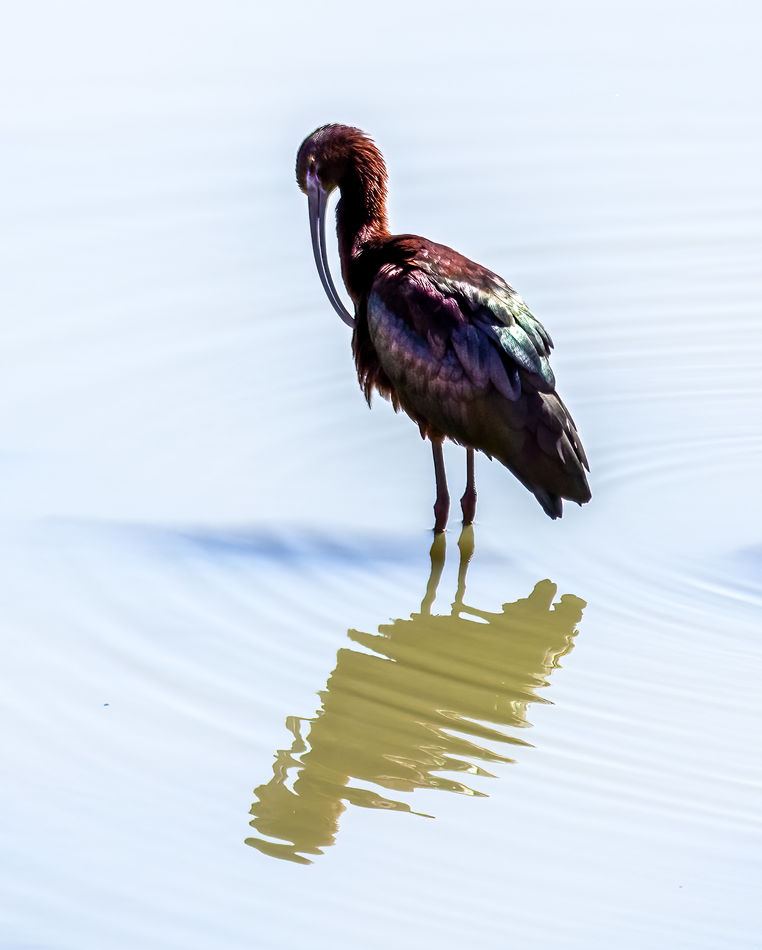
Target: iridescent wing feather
{"type": "Point", "coordinates": [461, 353]}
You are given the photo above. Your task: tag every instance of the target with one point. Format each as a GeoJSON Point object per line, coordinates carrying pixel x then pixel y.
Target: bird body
{"type": "Point", "coordinates": [446, 340]}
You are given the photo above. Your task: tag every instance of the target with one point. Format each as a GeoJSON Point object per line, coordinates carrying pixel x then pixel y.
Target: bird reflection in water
{"type": "Point", "coordinates": [424, 704]}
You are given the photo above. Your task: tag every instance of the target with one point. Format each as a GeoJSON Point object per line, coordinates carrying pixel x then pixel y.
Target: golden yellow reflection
{"type": "Point", "coordinates": [414, 710]}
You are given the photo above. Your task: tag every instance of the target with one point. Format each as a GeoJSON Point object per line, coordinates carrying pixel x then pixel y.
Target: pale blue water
{"type": "Point", "coordinates": [206, 540]}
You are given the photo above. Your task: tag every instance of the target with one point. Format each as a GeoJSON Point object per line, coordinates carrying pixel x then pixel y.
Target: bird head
{"type": "Point", "coordinates": [334, 154]}
{"type": "Point", "coordinates": [338, 156]}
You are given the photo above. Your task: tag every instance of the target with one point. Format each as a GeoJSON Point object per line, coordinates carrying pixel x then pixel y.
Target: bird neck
{"type": "Point", "coordinates": [361, 224]}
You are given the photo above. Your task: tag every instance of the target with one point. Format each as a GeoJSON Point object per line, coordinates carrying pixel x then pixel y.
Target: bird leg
{"type": "Point", "coordinates": [466, 548]}
{"type": "Point", "coordinates": [437, 556]}
{"type": "Point", "coordinates": [468, 501]}
{"type": "Point", "coordinates": [442, 504]}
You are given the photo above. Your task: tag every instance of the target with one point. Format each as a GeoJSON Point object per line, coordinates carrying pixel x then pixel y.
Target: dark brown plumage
{"type": "Point", "coordinates": [445, 339]}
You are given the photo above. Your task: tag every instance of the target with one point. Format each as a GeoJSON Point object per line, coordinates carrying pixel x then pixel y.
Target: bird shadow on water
{"type": "Point", "coordinates": [418, 702]}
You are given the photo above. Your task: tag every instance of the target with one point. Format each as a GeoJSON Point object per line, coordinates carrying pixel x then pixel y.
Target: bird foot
{"type": "Point", "coordinates": [441, 514]}
{"type": "Point", "coordinates": [468, 506]}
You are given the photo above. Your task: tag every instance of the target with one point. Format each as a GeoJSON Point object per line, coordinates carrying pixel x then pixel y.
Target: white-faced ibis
{"type": "Point", "coordinates": [445, 339]}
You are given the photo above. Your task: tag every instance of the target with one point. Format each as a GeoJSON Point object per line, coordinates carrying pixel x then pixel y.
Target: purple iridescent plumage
{"type": "Point", "coordinates": [442, 337]}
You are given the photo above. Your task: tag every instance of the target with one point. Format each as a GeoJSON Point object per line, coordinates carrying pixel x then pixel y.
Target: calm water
{"type": "Point", "coordinates": [246, 703]}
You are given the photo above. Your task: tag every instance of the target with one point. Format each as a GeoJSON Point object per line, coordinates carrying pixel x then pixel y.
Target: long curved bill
{"type": "Point", "coordinates": [318, 200]}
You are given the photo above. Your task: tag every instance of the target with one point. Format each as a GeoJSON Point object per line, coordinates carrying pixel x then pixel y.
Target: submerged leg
{"type": "Point", "coordinates": [466, 547]}
{"type": "Point", "coordinates": [437, 555]}
{"type": "Point", "coordinates": [468, 501]}
{"type": "Point", "coordinates": [442, 504]}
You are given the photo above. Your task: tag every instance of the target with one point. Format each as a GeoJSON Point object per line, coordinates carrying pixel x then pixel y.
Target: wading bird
{"type": "Point", "coordinates": [445, 339]}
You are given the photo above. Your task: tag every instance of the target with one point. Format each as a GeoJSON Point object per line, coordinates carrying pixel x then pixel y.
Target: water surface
{"type": "Point", "coordinates": [245, 702]}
